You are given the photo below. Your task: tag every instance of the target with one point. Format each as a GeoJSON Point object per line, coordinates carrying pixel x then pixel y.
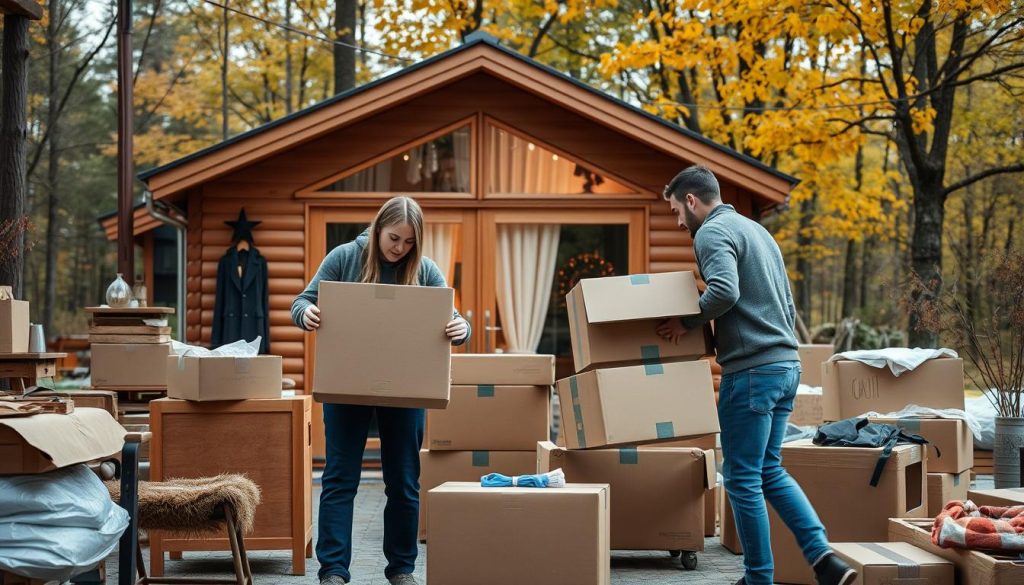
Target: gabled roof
{"type": "Point", "coordinates": [480, 52]}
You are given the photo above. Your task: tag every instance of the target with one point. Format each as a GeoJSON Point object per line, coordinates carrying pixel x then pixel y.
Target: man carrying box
{"type": "Point", "coordinates": [749, 298]}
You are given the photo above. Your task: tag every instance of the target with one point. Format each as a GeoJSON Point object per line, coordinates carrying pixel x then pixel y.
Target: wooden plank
{"type": "Point", "coordinates": [128, 330]}
{"type": "Point", "coordinates": [27, 8]}
{"type": "Point", "coordinates": [129, 311]}
{"type": "Point", "coordinates": [222, 237]}
{"type": "Point", "coordinates": [129, 338]}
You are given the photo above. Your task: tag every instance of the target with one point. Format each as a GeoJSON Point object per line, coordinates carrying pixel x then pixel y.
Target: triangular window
{"type": "Point", "coordinates": [441, 164]}
{"type": "Point", "coordinates": [520, 165]}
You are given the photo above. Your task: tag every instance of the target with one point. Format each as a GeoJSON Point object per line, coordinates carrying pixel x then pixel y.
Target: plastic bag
{"type": "Point", "coordinates": [984, 413]}
{"type": "Point", "coordinates": [240, 348]}
{"type": "Point", "coordinates": [899, 360]}
{"type": "Point", "coordinates": [57, 525]}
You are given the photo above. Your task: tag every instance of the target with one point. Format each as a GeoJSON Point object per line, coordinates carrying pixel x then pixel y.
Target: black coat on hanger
{"type": "Point", "coordinates": [242, 306]}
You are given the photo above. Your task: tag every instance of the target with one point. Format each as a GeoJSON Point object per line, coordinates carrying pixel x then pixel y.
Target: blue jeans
{"type": "Point", "coordinates": [401, 436]}
{"type": "Point", "coordinates": [754, 407]}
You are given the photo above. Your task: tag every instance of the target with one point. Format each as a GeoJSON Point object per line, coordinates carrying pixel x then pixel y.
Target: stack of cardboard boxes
{"type": "Point", "coordinates": [500, 407]}
{"type": "Point", "coordinates": [129, 348]}
{"type": "Point", "coordinates": [634, 388]}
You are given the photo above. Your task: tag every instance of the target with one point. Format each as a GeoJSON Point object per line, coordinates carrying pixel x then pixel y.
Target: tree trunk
{"type": "Point", "coordinates": [803, 264]}
{"type": "Point", "coordinates": [288, 89]}
{"type": "Point", "coordinates": [13, 103]}
{"type": "Point", "coordinates": [344, 57]}
{"type": "Point", "coordinates": [926, 252]}
{"type": "Point", "coordinates": [866, 255]}
{"type": "Point", "coordinates": [849, 280]}
{"type": "Point", "coordinates": [225, 49]}
{"type": "Point", "coordinates": [53, 165]}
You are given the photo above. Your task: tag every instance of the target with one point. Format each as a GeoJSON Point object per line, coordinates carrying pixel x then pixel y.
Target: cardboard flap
{"type": "Point", "coordinates": [6, 293]}
{"type": "Point", "coordinates": [650, 296]}
{"type": "Point", "coordinates": [84, 435]}
{"type": "Point", "coordinates": [545, 449]}
{"type": "Point", "coordinates": [710, 469]}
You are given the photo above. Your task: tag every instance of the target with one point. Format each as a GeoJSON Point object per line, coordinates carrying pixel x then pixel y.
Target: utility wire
{"type": "Point", "coordinates": [306, 33]}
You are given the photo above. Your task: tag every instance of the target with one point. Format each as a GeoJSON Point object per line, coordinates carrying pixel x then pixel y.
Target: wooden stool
{"type": "Point", "coordinates": [196, 506]}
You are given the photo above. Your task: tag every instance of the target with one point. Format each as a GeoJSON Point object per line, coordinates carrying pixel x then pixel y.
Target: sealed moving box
{"type": "Point", "coordinates": [972, 567]}
{"type": "Point", "coordinates": [944, 487]}
{"type": "Point", "coordinates": [637, 404]}
{"type": "Point", "coordinates": [612, 320]}
{"type": "Point", "coordinates": [130, 364]}
{"type": "Point", "coordinates": [851, 388]}
{"type": "Point", "coordinates": [13, 322]}
{"type": "Point", "coordinates": [811, 359]}
{"type": "Point", "coordinates": [493, 418]}
{"type": "Point", "coordinates": [950, 436]}
{"type": "Point", "coordinates": [837, 483]}
{"type": "Point", "coordinates": [894, 563]}
{"type": "Point", "coordinates": [511, 536]}
{"type": "Point", "coordinates": [362, 359]}
{"type": "Point", "coordinates": [223, 378]}
{"type": "Point", "coordinates": [1007, 497]}
{"type": "Point", "coordinates": [807, 410]}
{"type": "Point", "coordinates": [657, 494]}
{"type": "Point", "coordinates": [44, 442]}
{"type": "Point", "coordinates": [506, 369]}
{"type": "Point", "coordinates": [437, 467]}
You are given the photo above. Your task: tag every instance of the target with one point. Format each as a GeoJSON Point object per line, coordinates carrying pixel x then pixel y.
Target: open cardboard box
{"type": "Point", "coordinates": [44, 442]}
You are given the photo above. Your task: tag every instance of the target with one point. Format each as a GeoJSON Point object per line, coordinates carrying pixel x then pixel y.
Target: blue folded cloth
{"type": "Point", "coordinates": [551, 479]}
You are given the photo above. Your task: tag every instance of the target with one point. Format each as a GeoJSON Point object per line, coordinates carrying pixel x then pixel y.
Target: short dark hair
{"type": "Point", "coordinates": [698, 180]}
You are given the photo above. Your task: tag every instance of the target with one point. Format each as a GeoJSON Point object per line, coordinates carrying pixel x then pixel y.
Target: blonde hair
{"type": "Point", "coordinates": [396, 211]}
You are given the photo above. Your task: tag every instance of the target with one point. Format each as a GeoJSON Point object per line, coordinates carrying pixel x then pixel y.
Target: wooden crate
{"type": "Point", "coordinates": [982, 462]}
{"type": "Point", "coordinates": [267, 440]}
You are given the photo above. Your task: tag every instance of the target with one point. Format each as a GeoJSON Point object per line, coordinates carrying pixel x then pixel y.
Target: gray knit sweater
{"type": "Point", "coordinates": [747, 293]}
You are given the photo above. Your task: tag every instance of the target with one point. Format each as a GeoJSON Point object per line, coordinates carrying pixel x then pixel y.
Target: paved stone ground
{"type": "Point", "coordinates": [715, 566]}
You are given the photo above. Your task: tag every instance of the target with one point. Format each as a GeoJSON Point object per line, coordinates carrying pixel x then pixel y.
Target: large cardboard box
{"type": "Point", "coordinates": [1007, 497]}
{"type": "Point", "coordinates": [494, 418]}
{"type": "Point", "coordinates": [511, 536]}
{"type": "Point", "coordinates": [383, 345]}
{"type": "Point", "coordinates": [944, 487]}
{"type": "Point", "coordinates": [951, 436]}
{"type": "Point", "coordinates": [811, 359]}
{"type": "Point", "coordinates": [223, 378]}
{"type": "Point", "coordinates": [437, 467]}
{"type": "Point", "coordinates": [892, 563]}
{"type": "Point", "coordinates": [506, 369]}
{"type": "Point", "coordinates": [637, 405]}
{"type": "Point", "coordinates": [971, 567]}
{"type": "Point", "coordinates": [837, 483]}
{"type": "Point", "coordinates": [13, 322]}
{"type": "Point", "coordinates": [138, 365]}
{"type": "Point", "coordinates": [612, 320]}
{"type": "Point", "coordinates": [657, 494]}
{"type": "Point", "coordinates": [730, 538]}
{"type": "Point", "coordinates": [807, 410]}
{"type": "Point", "coordinates": [44, 442]}
{"type": "Point", "coordinates": [850, 388]}
{"type": "Point", "coordinates": [711, 511]}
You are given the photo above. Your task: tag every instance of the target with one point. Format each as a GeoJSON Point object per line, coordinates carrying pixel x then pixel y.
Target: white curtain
{"type": "Point", "coordinates": [374, 179]}
{"type": "Point", "coordinates": [439, 246]}
{"type": "Point", "coordinates": [526, 267]}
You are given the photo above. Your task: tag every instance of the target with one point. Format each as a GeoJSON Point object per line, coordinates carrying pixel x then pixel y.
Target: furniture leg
{"type": "Point", "coordinates": [309, 549]}
{"type": "Point", "coordinates": [130, 502]}
{"type": "Point", "coordinates": [175, 555]}
{"type": "Point", "coordinates": [236, 556]}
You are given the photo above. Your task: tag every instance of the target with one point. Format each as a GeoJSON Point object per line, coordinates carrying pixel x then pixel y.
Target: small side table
{"type": "Point", "coordinates": [268, 440]}
{"type": "Point", "coordinates": [26, 369]}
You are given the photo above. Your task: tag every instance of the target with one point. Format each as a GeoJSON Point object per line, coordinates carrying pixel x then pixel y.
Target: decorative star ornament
{"type": "Point", "coordinates": [243, 228]}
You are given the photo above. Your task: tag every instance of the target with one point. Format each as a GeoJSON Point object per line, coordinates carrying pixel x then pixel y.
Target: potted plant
{"type": "Point", "coordinates": [990, 336]}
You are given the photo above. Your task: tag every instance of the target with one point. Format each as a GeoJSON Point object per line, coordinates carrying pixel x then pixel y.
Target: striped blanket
{"type": "Point", "coordinates": [991, 528]}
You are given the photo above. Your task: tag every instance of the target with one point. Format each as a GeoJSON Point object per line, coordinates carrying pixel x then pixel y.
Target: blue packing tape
{"type": "Point", "coordinates": [577, 412]}
{"type": "Point", "coordinates": [629, 456]}
{"type": "Point", "coordinates": [485, 391]}
{"type": "Point", "coordinates": [664, 430]}
{"type": "Point", "coordinates": [636, 279]}
{"type": "Point", "coordinates": [481, 458]}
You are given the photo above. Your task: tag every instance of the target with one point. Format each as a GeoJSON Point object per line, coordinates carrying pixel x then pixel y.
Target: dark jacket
{"type": "Point", "coordinates": [242, 306]}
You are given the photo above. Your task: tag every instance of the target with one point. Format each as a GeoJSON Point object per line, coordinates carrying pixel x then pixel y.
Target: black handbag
{"type": "Point", "coordinates": [858, 432]}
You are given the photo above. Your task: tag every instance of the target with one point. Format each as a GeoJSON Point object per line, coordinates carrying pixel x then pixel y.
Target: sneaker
{"type": "Point", "coordinates": [403, 579]}
{"type": "Point", "coordinates": [832, 570]}
{"type": "Point", "coordinates": [333, 580]}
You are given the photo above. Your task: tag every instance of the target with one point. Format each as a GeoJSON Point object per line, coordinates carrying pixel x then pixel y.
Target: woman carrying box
{"type": "Point", "coordinates": [389, 252]}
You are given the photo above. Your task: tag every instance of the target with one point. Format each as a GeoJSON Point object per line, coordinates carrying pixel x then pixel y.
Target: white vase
{"type": "Point", "coordinates": [119, 294]}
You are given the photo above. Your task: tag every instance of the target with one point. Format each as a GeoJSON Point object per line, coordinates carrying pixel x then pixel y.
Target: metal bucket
{"type": "Point", "coordinates": [1009, 444]}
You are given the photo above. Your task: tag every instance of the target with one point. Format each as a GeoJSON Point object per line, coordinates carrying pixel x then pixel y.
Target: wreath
{"type": "Point", "coordinates": [578, 267]}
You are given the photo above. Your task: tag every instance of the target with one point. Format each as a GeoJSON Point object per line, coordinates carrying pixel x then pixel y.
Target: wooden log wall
{"type": "Point", "coordinates": [280, 239]}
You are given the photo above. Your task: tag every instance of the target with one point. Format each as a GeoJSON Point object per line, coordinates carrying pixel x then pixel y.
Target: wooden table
{"type": "Point", "coordinates": [267, 440]}
{"type": "Point", "coordinates": [26, 369]}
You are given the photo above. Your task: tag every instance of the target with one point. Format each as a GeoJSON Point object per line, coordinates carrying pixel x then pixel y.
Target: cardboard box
{"type": "Point", "coordinates": [437, 467]}
{"type": "Point", "coordinates": [44, 442]}
{"type": "Point", "coordinates": [506, 369]}
{"type": "Point", "coordinates": [807, 410]}
{"type": "Point", "coordinates": [971, 567]}
{"type": "Point", "coordinates": [657, 494]}
{"type": "Point", "coordinates": [943, 487]}
{"type": "Point", "coordinates": [7, 578]}
{"type": "Point", "coordinates": [891, 563]}
{"type": "Point", "coordinates": [1007, 497]}
{"type": "Point", "coordinates": [224, 378]}
{"type": "Point", "coordinates": [705, 443]}
{"type": "Point", "coordinates": [360, 357]}
{"type": "Point", "coordinates": [836, 482]}
{"type": "Point", "coordinates": [850, 388]}
{"type": "Point", "coordinates": [612, 320]}
{"type": "Point", "coordinates": [14, 322]}
{"type": "Point", "coordinates": [951, 436]}
{"type": "Point", "coordinates": [510, 536]}
{"type": "Point", "coordinates": [637, 405]}
{"type": "Point", "coordinates": [811, 359]}
{"type": "Point", "coordinates": [711, 511]}
{"type": "Point", "coordinates": [730, 538]}
{"type": "Point", "coordinates": [130, 364]}
{"type": "Point", "coordinates": [494, 418]}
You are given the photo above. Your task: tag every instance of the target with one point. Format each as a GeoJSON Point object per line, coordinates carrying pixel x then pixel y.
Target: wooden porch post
{"type": "Point", "coordinates": [125, 130]}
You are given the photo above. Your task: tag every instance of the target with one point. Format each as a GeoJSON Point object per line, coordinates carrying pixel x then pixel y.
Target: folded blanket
{"type": "Point", "coordinates": [899, 360]}
{"type": "Point", "coordinates": [554, 479]}
{"type": "Point", "coordinates": [992, 528]}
